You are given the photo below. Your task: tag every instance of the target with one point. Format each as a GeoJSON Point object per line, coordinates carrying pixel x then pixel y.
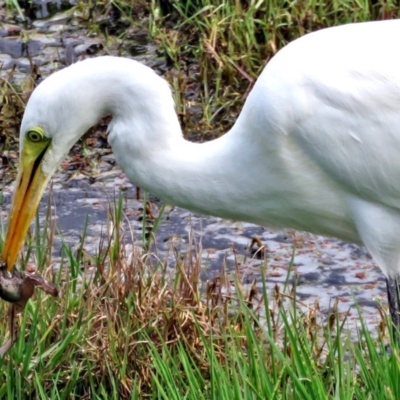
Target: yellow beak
{"type": "Point", "coordinates": [29, 188]}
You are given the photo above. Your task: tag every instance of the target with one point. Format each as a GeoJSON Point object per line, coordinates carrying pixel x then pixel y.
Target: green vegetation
{"type": "Point", "coordinates": [134, 329]}
{"type": "Point", "coordinates": [220, 47]}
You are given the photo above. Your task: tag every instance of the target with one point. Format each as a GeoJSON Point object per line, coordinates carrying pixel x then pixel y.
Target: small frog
{"type": "Point", "coordinates": [17, 288]}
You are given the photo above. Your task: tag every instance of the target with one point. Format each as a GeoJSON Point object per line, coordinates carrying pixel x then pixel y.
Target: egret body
{"type": "Point", "coordinates": [316, 146]}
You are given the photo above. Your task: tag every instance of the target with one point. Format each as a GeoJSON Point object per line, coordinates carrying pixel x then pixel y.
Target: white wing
{"type": "Point", "coordinates": [346, 116]}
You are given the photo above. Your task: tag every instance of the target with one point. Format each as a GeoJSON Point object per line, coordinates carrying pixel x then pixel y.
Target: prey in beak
{"type": "Point", "coordinates": [16, 287]}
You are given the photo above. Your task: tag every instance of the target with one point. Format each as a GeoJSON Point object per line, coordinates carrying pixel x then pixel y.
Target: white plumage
{"type": "Point", "coordinates": [316, 146]}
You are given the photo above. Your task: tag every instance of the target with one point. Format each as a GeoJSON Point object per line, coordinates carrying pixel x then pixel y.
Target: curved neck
{"type": "Point", "coordinates": [257, 172]}
{"type": "Point", "coordinates": [145, 134]}
{"type": "Point", "coordinates": [246, 174]}
{"type": "Point", "coordinates": [150, 148]}
{"type": "Point", "coordinates": [146, 137]}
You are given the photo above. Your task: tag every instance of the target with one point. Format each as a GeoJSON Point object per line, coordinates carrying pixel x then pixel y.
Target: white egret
{"type": "Point", "coordinates": [316, 146]}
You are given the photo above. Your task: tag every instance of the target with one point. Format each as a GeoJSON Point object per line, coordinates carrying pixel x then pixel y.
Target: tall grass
{"type": "Point", "coordinates": [136, 330]}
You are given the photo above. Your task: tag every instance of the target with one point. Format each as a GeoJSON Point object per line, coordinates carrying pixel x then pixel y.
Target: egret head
{"type": "Point", "coordinates": [62, 108]}
{"type": "Point", "coordinates": [54, 119]}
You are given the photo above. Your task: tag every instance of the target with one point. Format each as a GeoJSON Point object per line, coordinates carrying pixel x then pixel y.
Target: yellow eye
{"type": "Point", "coordinates": [35, 135]}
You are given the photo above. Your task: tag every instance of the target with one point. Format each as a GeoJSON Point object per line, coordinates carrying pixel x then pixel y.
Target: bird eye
{"type": "Point", "coordinates": [35, 135]}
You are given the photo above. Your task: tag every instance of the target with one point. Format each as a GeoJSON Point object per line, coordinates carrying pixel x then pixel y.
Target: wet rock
{"type": "Point", "coordinates": [368, 303]}
{"type": "Point", "coordinates": [25, 65]}
{"type": "Point", "coordinates": [18, 48]}
{"type": "Point", "coordinates": [45, 39]}
{"type": "Point", "coordinates": [140, 37]}
{"type": "Point", "coordinates": [328, 262]}
{"type": "Point", "coordinates": [6, 62]}
{"type": "Point", "coordinates": [302, 296]}
{"type": "Point", "coordinates": [39, 25]}
{"type": "Point", "coordinates": [281, 238]}
{"type": "Point", "coordinates": [69, 55]}
{"type": "Point", "coordinates": [88, 48]}
{"type": "Point", "coordinates": [335, 278]}
{"type": "Point", "coordinates": [110, 158]}
{"type": "Point", "coordinates": [60, 21]}
{"type": "Point", "coordinates": [135, 49]}
{"type": "Point", "coordinates": [308, 278]}
{"type": "Point", "coordinates": [55, 28]}
{"type": "Point", "coordinates": [9, 30]}
{"type": "Point", "coordinates": [50, 54]}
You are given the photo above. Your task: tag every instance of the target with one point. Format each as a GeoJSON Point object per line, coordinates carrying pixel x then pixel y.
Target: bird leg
{"type": "Point", "coordinates": [18, 289]}
{"type": "Point", "coordinates": [393, 292]}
